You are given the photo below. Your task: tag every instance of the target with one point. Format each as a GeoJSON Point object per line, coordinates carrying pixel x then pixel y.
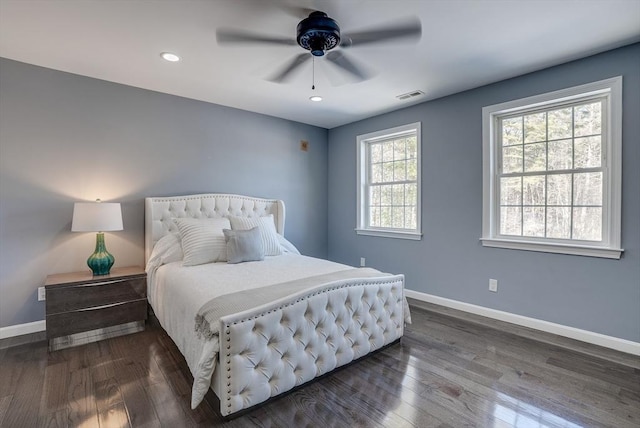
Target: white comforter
{"type": "Point", "coordinates": [176, 293]}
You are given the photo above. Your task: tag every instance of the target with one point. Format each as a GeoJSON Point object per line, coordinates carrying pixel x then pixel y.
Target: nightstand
{"type": "Point", "coordinates": [82, 308]}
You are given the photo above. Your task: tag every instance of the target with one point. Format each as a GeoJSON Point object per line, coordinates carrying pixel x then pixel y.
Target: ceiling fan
{"type": "Point", "coordinates": [320, 35]}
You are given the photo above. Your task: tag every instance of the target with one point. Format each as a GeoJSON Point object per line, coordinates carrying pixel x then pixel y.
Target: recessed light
{"type": "Point", "coordinates": [316, 98]}
{"type": "Point", "coordinates": [171, 57]}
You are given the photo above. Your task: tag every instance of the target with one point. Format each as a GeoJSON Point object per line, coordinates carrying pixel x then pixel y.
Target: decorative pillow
{"type": "Point", "coordinates": [203, 240]}
{"type": "Point", "coordinates": [267, 228]}
{"type": "Point", "coordinates": [244, 245]}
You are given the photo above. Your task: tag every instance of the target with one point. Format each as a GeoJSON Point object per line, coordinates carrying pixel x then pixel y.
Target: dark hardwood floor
{"type": "Point", "coordinates": [446, 372]}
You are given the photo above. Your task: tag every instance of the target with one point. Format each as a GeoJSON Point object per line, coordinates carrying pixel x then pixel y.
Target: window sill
{"type": "Point", "coordinates": [577, 250]}
{"type": "Point", "coordinates": [416, 236]}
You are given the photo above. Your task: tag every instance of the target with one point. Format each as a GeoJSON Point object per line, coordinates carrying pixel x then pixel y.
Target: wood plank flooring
{"type": "Point", "coordinates": [446, 372]}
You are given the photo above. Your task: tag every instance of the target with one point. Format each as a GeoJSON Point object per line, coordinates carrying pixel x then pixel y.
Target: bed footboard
{"type": "Point", "coordinates": [273, 348]}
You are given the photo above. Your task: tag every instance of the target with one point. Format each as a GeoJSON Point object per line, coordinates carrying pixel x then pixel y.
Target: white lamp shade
{"type": "Point", "coordinates": [96, 217]}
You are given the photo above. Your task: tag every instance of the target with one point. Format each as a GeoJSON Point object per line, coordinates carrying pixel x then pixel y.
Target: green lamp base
{"type": "Point", "coordinates": [101, 260]}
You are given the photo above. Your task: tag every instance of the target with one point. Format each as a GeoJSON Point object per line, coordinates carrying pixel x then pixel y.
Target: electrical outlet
{"type": "Point", "coordinates": [493, 285]}
{"type": "Point", "coordinates": [42, 295]}
{"type": "Point", "coordinates": [363, 262]}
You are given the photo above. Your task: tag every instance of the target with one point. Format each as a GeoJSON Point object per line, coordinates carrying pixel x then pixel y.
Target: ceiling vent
{"type": "Point", "coordinates": [409, 95]}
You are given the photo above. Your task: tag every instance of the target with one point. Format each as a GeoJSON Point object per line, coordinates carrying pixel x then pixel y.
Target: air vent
{"type": "Point", "coordinates": [409, 95]}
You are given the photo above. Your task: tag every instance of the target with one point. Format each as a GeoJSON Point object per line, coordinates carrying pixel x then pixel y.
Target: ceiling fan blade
{"type": "Point", "coordinates": [297, 11]}
{"type": "Point", "coordinates": [229, 36]}
{"type": "Point", "coordinates": [342, 61]}
{"type": "Point", "coordinates": [290, 67]}
{"type": "Point", "coordinates": [408, 29]}
{"type": "Point", "coordinates": [294, 10]}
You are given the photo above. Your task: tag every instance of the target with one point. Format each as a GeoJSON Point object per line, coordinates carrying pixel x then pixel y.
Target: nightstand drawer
{"type": "Point", "coordinates": [82, 308]}
{"type": "Point", "coordinates": [73, 297]}
{"type": "Point", "coordinates": [67, 323]}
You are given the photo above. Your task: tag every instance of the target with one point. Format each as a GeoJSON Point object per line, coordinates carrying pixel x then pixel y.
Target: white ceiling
{"type": "Point", "coordinates": [464, 44]}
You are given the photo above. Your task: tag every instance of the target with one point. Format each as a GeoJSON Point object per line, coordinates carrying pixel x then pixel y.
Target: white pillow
{"type": "Point", "coordinates": [166, 250]}
{"type": "Point", "coordinates": [203, 240]}
{"type": "Point", "coordinates": [287, 247]}
{"type": "Point", "coordinates": [267, 228]}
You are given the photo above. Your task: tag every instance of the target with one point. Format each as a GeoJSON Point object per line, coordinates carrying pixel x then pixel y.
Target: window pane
{"type": "Point", "coordinates": [588, 152]}
{"type": "Point", "coordinates": [587, 223]}
{"type": "Point", "coordinates": [535, 157]}
{"type": "Point", "coordinates": [588, 120]}
{"type": "Point", "coordinates": [385, 195]}
{"type": "Point", "coordinates": [410, 218]}
{"type": "Point", "coordinates": [374, 195]}
{"type": "Point", "coordinates": [560, 123]}
{"type": "Point", "coordinates": [535, 128]}
{"type": "Point", "coordinates": [398, 194]}
{"type": "Point", "coordinates": [412, 170]}
{"type": "Point", "coordinates": [387, 172]}
{"type": "Point", "coordinates": [533, 190]}
{"type": "Point", "coordinates": [376, 173]}
{"type": "Point", "coordinates": [560, 155]}
{"type": "Point", "coordinates": [376, 153]}
{"type": "Point", "coordinates": [398, 217]}
{"type": "Point", "coordinates": [559, 222]}
{"type": "Point", "coordinates": [412, 147]}
{"type": "Point", "coordinates": [374, 216]}
{"type": "Point", "coordinates": [587, 188]}
{"type": "Point", "coordinates": [511, 191]}
{"type": "Point", "coordinates": [385, 217]}
{"type": "Point", "coordinates": [387, 151]}
{"type": "Point", "coordinates": [512, 131]}
{"type": "Point", "coordinates": [411, 194]}
{"type": "Point", "coordinates": [559, 189]}
{"type": "Point", "coordinates": [399, 149]}
{"type": "Point", "coordinates": [510, 220]}
{"type": "Point", "coordinates": [512, 159]}
{"type": "Point", "coordinates": [399, 171]}
{"type": "Point", "coordinates": [533, 221]}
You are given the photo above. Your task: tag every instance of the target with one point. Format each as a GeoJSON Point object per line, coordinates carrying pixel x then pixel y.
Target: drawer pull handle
{"type": "Point", "coordinates": [93, 284]}
{"type": "Point", "coordinates": [95, 308]}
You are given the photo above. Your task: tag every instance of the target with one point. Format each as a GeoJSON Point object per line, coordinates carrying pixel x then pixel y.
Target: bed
{"type": "Point", "coordinates": [253, 330]}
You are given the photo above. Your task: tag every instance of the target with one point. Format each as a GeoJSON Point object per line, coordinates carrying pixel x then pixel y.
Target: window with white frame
{"type": "Point", "coordinates": [552, 171]}
{"type": "Point", "coordinates": [389, 182]}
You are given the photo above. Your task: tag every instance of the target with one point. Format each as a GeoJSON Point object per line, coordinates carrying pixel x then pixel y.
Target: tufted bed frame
{"type": "Point", "coordinates": [298, 339]}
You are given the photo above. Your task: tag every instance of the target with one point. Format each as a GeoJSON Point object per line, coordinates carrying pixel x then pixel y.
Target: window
{"type": "Point", "coordinates": [389, 183]}
{"type": "Point", "coordinates": [552, 171]}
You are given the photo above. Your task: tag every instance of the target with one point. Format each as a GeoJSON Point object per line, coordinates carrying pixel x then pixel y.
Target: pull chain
{"type": "Point", "coordinates": [313, 73]}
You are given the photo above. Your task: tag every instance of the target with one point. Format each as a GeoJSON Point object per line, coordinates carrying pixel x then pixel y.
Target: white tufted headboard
{"type": "Point", "coordinates": [160, 212]}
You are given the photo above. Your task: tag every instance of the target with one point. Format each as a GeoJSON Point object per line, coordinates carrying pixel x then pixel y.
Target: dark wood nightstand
{"type": "Point", "coordinates": [82, 308]}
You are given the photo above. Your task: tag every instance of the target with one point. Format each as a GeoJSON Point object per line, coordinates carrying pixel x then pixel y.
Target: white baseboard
{"type": "Point", "coordinates": [20, 329]}
{"type": "Point", "coordinates": [561, 330]}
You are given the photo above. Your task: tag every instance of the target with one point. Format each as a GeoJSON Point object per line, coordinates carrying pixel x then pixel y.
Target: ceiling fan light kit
{"type": "Point", "coordinates": [318, 33]}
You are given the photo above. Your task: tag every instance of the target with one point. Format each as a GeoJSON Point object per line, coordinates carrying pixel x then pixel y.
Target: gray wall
{"type": "Point", "coordinates": [594, 294]}
{"type": "Point", "coordinates": [67, 138]}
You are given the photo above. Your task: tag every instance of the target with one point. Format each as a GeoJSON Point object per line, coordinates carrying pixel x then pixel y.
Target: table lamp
{"type": "Point", "coordinates": [97, 217]}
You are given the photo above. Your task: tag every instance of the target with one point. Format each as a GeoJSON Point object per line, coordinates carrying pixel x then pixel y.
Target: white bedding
{"type": "Point", "coordinates": [185, 289]}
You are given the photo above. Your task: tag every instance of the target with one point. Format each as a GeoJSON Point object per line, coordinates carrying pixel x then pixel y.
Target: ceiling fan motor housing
{"type": "Point", "coordinates": [318, 33]}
